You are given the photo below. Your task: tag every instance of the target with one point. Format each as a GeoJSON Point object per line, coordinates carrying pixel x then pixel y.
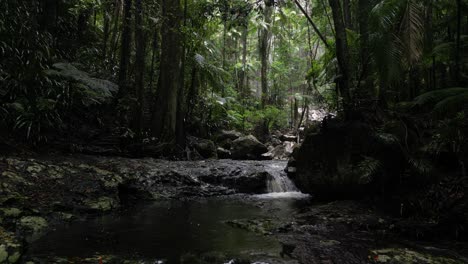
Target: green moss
{"type": "Point", "coordinates": [3, 254]}
{"type": "Point", "coordinates": [11, 212]}
{"type": "Point", "coordinates": [403, 255]}
{"type": "Point", "coordinates": [15, 257]}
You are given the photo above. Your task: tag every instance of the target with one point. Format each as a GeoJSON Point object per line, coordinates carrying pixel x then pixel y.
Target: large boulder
{"type": "Point", "coordinates": [345, 160]}
{"type": "Point", "coordinates": [206, 148]}
{"type": "Point", "coordinates": [225, 138]}
{"type": "Point", "coordinates": [248, 147]}
{"type": "Point", "coordinates": [281, 152]}
{"type": "Point", "coordinates": [223, 153]}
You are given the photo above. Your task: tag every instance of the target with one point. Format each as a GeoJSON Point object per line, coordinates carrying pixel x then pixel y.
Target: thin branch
{"type": "Point", "coordinates": [313, 24]}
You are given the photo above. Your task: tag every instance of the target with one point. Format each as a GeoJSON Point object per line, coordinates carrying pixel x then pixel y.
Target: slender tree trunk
{"type": "Point", "coordinates": [155, 55]}
{"type": "Point", "coordinates": [458, 44]}
{"type": "Point", "coordinates": [347, 14]}
{"type": "Point", "coordinates": [365, 81]}
{"type": "Point", "coordinates": [49, 8]}
{"type": "Point", "coordinates": [429, 44]}
{"type": "Point", "coordinates": [181, 107]}
{"type": "Point", "coordinates": [164, 121]}
{"type": "Point", "coordinates": [342, 54]}
{"type": "Point", "coordinates": [324, 40]}
{"type": "Point", "coordinates": [242, 75]}
{"type": "Point", "coordinates": [125, 49]}
{"type": "Point", "coordinates": [192, 95]}
{"type": "Point", "coordinates": [106, 31]}
{"type": "Point", "coordinates": [115, 28]}
{"type": "Point", "coordinates": [264, 42]}
{"type": "Point", "coordinates": [139, 67]}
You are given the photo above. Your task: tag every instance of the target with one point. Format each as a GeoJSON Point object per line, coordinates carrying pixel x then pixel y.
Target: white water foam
{"type": "Point", "coordinates": [279, 185]}
{"type": "Point", "coordinates": [276, 195]}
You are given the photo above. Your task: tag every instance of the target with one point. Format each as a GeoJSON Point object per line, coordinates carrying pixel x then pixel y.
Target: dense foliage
{"type": "Point", "coordinates": [195, 66]}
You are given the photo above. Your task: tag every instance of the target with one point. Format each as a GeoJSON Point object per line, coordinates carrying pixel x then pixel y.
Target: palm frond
{"type": "Point", "coordinates": [445, 102]}
{"type": "Point", "coordinates": [412, 30]}
{"type": "Point", "coordinates": [368, 168]}
{"type": "Point", "coordinates": [436, 96]}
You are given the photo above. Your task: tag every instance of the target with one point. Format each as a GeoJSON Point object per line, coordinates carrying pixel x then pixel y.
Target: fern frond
{"type": "Point", "coordinates": [368, 168]}
{"type": "Point", "coordinates": [451, 105]}
{"type": "Point", "coordinates": [433, 97]}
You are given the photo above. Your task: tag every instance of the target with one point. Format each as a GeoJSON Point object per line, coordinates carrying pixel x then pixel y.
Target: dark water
{"type": "Point", "coordinates": [170, 229]}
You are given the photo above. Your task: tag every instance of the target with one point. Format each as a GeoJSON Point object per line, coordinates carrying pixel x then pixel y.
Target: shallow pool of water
{"type": "Point", "coordinates": [168, 230]}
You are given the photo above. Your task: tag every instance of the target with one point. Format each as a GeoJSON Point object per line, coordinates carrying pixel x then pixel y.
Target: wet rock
{"type": "Point", "coordinates": [281, 152]}
{"type": "Point", "coordinates": [223, 153]}
{"type": "Point", "coordinates": [288, 138]}
{"type": "Point", "coordinates": [228, 134]}
{"type": "Point", "coordinates": [405, 255]}
{"type": "Point", "coordinates": [206, 148]}
{"type": "Point", "coordinates": [102, 204]}
{"type": "Point", "coordinates": [345, 160]}
{"type": "Point", "coordinates": [248, 147]}
{"type": "Point", "coordinates": [32, 227]}
{"type": "Point", "coordinates": [242, 181]}
{"type": "Point", "coordinates": [10, 248]}
{"type": "Point", "coordinates": [225, 138]}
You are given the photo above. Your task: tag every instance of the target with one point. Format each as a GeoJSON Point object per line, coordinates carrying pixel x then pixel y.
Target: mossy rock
{"type": "Point", "coordinates": [35, 169]}
{"type": "Point", "coordinates": [102, 204]}
{"type": "Point", "coordinates": [10, 248]}
{"type": "Point", "coordinates": [10, 212]}
{"type": "Point", "coordinates": [403, 255]}
{"type": "Point", "coordinates": [33, 227]}
{"type": "Point", "coordinates": [55, 172]}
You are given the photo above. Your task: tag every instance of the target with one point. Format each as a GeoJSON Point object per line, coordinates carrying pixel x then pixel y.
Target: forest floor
{"type": "Point", "coordinates": [39, 194]}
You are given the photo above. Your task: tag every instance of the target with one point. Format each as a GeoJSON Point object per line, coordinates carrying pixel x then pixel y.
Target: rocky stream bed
{"type": "Point", "coordinates": [45, 201]}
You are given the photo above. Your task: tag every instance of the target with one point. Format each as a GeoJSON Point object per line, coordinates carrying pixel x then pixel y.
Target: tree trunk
{"type": "Point", "coordinates": [365, 81]}
{"type": "Point", "coordinates": [347, 14]}
{"type": "Point", "coordinates": [115, 29]}
{"type": "Point", "coordinates": [106, 31]}
{"type": "Point", "coordinates": [155, 56]}
{"type": "Point", "coordinates": [125, 49]}
{"type": "Point", "coordinates": [181, 107]}
{"type": "Point", "coordinates": [342, 54]}
{"type": "Point", "coordinates": [243, 72]}
{"type": "Point", "coordinates": [458, 44]}
{"type": "Point", "coordinates": [139, 68]}
{"type": "Point", "coordinates": [49, 15]}
{"type": "Point", "coordinates": [264, 48]}
{"type": "Point", "coordinates": [164, 121]}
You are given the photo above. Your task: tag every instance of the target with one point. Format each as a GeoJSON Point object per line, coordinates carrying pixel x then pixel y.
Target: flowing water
{"type": "Point", "coordinates": [169, 230]}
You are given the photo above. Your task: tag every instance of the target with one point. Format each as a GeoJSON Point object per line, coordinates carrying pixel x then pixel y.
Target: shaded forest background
{"type": "Point", "coordinates": [153, 72]}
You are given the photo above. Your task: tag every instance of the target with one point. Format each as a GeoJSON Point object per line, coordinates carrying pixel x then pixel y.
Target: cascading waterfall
{"type": "Point", "coordinates": [279, 181]}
